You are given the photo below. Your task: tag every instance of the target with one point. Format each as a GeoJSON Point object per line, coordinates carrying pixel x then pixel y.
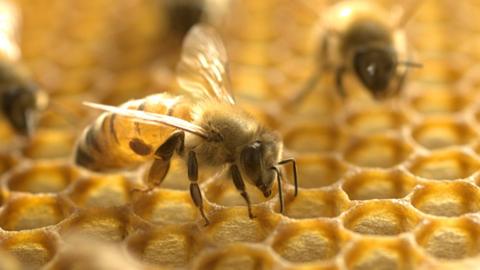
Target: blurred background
{"type": "Point", "coordinates": [352, 152]}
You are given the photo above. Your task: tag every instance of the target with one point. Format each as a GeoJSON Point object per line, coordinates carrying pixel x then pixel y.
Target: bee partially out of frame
{"type": "Point", "coordinates": [363, 39]}
{"type": "Point", "coordinates": [210, 132]}
{"type": "Point", "coordinates": [20, 99]}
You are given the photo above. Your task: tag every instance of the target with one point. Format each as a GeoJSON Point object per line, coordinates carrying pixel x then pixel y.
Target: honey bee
{"type": "Point", "coordinates": [362, 38]}
{"type": "Point", "coordinates": [210, 132]}
{"type": "Point", "coordinates": [20, 99]}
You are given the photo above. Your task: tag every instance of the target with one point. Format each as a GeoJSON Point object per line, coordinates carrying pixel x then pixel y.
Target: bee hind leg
{"type": "Point", "coordinates": [238, 181]}
{"type": "Point", "coordinates": [161, 164]}
{"type": "Point", "coordinates": [195, 192]}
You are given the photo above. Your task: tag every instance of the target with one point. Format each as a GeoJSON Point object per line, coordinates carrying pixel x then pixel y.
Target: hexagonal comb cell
{"type": "Point", "coordinates": [50, 143]}
{"type": "Point", "coordinates": [381, 217]}
{"type": "Point", "coordinates": [234, 225]}
{"type": "Point", "coordinates": [310, 138]}
{"type": "Point", "coordinates": [33, 249]}
{"type": "Point", "coordinates": [166, 206]}
{"type": "Point", "coordinates": [378, 184]}
{"type": "Point", "coordinates": [7, 161]}
{"type": "Point", "coordinates": [377, 151]}
{"type": "Point", "coordinates": [105, 224]}
{"type": "Point", "coordinates": [439, 101]}
{"type": "Point", "coordinates": [170, 246]}
{"type": "Point", "coordinates": [42, 177]}
{"type": "Point", "coordinates": [222, 191]}
{"type": "Point", "coordinates": [101, 191]}
{"type": "Point", "coordinates": [315, 203]}
{"type": "Point", "coordinates": [7, 261]}
{"type": "Point", "coordinates": [317, 170]}
{"type": "Point", "coordinates": [236, 256]}
{"type": "Point", "coordinates": [308, 241]}
{"type": "Point", "coordinates": [447, 199]}
{"type": "Point", "coordinates": [378, 253]}
{"type": "Point", "coordinates": [374, 120]}
{"type": "Point", "coordinates": [445, 165]}
{"type": "Point", "coordinates": [33, 211]}
{"type": "Point", "coordinates": [453, 238]}
{"type": "Point", "coordinates": [437, 133]}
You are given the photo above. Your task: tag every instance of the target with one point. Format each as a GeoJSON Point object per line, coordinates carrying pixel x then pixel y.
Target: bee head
{"type": "Point", "coordinates": [20, 106]}
{"type": "Point", "coordinates": [375, 67]}
{"type": "Point", "coordinates": [183, 14]}
{"type": "Point", "coordinates": [257, 160]}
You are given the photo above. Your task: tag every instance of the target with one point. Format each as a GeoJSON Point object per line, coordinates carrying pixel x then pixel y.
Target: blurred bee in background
{"type": "Point", "coordinates": [20, 99]}
{"type": "Point", "coordinates": [183, 14]}
{"type": "Point", "coordinates": [362, 38]}
{"type": "Point", "coordinates": [211, 132]}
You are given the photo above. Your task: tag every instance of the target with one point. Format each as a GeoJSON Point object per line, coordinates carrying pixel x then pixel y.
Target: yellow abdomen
{"type": "Point", "coordinates": [115, 142]}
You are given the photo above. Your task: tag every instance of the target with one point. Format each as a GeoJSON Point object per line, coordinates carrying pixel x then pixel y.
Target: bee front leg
{"type": "Point", "coordinates": [238, 181]}
{"type": "Point", "coordinates": [195, 192]}
{"type": "Point", "coordinates": [339, 81]}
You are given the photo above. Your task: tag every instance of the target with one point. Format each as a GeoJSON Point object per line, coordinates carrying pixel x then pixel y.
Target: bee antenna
{"type": "Point", "coordinates": [411, 64]}
{"type": "Point", "coordinates": [280, 192]}
{"type": "Point", "coordinates": [294, 165]}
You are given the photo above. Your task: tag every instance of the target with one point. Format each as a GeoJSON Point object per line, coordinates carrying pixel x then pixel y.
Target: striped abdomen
{"type": "Point", "coordinates": [116, 142]}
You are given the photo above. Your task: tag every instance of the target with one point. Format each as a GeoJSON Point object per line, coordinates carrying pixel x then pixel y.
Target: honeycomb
{"type": "Point", "coordinates": [382, 185]}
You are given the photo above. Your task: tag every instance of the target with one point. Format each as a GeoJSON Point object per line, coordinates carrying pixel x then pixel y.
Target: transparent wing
{"type": "Point", "coordinates": [151, 118]}
{"type": "Point", "coordinates": [203, 68]}
{"type": "Point", "coordinates": [9, 18]}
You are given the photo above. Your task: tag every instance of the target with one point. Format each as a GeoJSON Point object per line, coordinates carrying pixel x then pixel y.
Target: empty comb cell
{"type": "Point", "coordinates": [308, 241]}
{"type": "Point", "coordinates": [236, 256]}
{"type": "Point", "coordinates": [233, 224]}
{"type": "Point", "coordinates": [222, 191]}
{"type": "Point", "coordinates": [375, 119]}
{"type": "Point", "coordinates": [170, 246]}
{"type": "Point", "coordinates": [33, 211]}
{"type": "Point", "coordinates": [444, 165]}
{"type": "Point", "coordinates": [382, 253]}
{"type": "Point", "coordinates": [313, 138]}
{"type": "Point", "coordinates": [315, 203]}
{"type": "Point", "coordinates": [166, 206]}
{"type": "Point", "coordinates": [377, 152]}
{"type": "Point", "coordinates": [435, 133]}
{"type": "Point", "coordinates": [317, 170]}
{"type": "Point", "coordinates": [381, 217]}
{"type": "Point", "coordinates": [33, 249]}
{"type": "Point", "coordinates": [439, 101]}
{"type": "Point", "coordinates": [7, 261]}
{"type": "Point", "coordinates": [450, 239]}
{"type": "Point", "coordinates": [7, 162]}
{"type": "Point", "coordinates": [378, 184]}
{"type": "Point", "coordinates": [105, 224]}
{"type": "Point", "coordinates": [42, 177]}
{"type": "Point", "coordinates": [447, 199]}
{"type": "Point", "coordinates": [50, 144]}
{"type": "Point", "coordinates": [101, 191]}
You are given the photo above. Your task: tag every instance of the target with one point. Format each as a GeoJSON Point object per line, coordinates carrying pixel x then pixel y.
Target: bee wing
{"type": "Point", "coordinates": [152, 118]}
{"type": "Point", "coordinates": [406, 12]}
{"type": "Point", "coordinates": [9, 17]}
{"type": "Point", "coordinates": [203, 68]}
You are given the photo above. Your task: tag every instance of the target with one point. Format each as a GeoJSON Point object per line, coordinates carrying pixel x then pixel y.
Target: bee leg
{"type": "Point", "coordinates": [401, 81]}
{"type": "Point", "coordinates": [195, 192]}
{"type": "Point", "coordinates": [163, 155]}
{"type": "Point", "coordinates": [280, 189]}
{"type": "Point", "coordinates": [294, 164]}
{"type": "Point", "coordinates": [238, 181]}
{"type": "Point", "coordinates": [339, 81]}
{"type": "Point", "coordinates": [305, 90]}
